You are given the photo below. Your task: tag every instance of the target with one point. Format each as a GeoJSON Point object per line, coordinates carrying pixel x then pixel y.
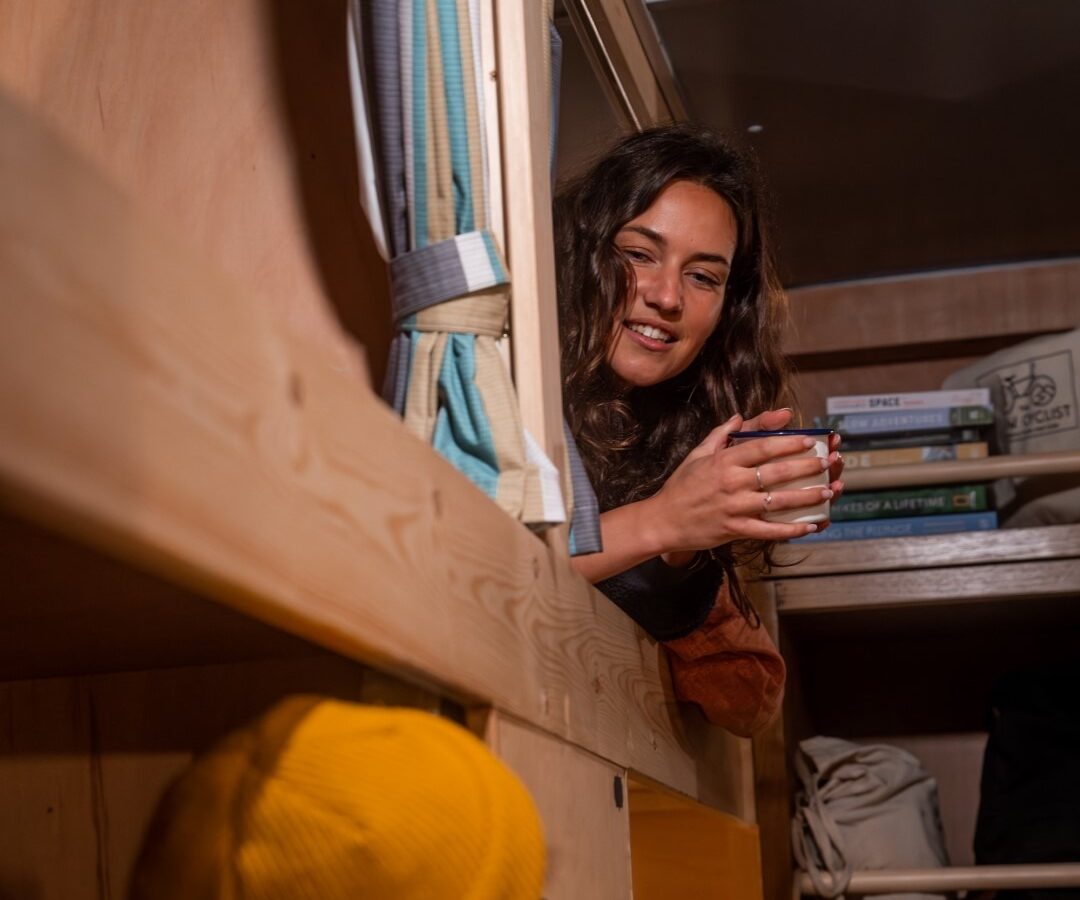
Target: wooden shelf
{"type": "Point", "coordinates": [963, 471]}
{"type": "Point", "coordinates": [958, 878]}
{"type": "Point", "coordinates": [895, 554]}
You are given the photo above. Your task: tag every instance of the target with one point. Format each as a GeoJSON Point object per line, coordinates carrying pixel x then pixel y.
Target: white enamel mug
{"type": "Point", "coordinates": [817, 513]}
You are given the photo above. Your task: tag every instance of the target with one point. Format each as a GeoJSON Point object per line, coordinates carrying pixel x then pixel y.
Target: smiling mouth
{"type": "Point", "coordinates": [650, 332]}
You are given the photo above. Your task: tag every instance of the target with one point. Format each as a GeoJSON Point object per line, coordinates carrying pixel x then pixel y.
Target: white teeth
{"type": "Point", "coordinates": [655, 333]}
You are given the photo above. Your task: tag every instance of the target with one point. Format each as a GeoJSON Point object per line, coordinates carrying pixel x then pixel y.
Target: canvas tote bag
{"type": "Point", "coordinates": [1035, 386]}
{"type": "Point", "coordinates": [863, 807]}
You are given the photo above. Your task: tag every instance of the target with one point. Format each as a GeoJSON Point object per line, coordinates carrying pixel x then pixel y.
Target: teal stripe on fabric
{"type": "Point", "coordinates": [419, 122]}
{"type": "Point", "coordinates": [462, 434]}
{"type": "Point", "coordinates": [501, 276]}
{"type": "Point", "coordinates": [456, 120]}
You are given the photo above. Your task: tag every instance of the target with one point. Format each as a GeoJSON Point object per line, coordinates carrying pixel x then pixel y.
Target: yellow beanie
{"type": "Point", "coordinates": [327, 800]}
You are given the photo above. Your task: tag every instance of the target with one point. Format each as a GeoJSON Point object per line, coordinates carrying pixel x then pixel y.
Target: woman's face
{"type": "Point", "coordinates": [680, 249]}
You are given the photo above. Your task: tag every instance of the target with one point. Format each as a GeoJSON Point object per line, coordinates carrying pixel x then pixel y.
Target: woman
{"type": "Point", "coordinates": [671, 313]}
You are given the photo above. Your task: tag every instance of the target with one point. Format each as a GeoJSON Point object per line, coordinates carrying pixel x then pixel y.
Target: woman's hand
{"type": "Point", "coordinates": [836, 470]}
{"type": "Point", "coordinates": [715, 496]}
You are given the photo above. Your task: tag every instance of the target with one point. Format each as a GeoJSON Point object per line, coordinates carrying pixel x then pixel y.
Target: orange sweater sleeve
{"type": "Point", "coordinates": [731, 669]}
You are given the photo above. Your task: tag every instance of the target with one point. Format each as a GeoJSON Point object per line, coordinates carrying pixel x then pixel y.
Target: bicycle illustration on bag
{"type": "Point", "coordinates": [1038, 390]}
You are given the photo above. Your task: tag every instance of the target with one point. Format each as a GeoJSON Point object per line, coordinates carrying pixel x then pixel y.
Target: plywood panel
{"type": "Point", "coordinates": [83, 761]}
{"type": "Point", "coordinates": [681, 849]}
{"type": "Point", "coordinates": [231, 121]}
{"type": "Point", "coordinates": [588, 834]}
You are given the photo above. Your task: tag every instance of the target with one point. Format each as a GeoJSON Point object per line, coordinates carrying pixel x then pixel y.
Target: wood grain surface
{"type": "Point", "coordinates": [84, 761]}
{"type": "Point", "coordinates": [681, 849]}
{"type": "Point", "coordinates": [917, 310]}
{"type": "Point", "coordinates": [1005, 581]}
{"type": "Point", "coordinates": [588, 834]}
{"type": "Point", "coordinates": [232, 122]}
{"type": "Point", "coordinates": [1006, 545]}
{"type": "Point", "coordinates": [155, 410]}
{"type": "Point", "coordinates": [525, 111]}
{"type": "Point", "coordinates": [963, 471]}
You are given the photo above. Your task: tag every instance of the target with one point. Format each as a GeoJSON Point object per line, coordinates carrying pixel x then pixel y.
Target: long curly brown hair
{"type": "Point", "coordinates": [631, 441]}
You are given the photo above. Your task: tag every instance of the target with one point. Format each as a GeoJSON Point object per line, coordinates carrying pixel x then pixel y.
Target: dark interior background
{"type": "Point", "coordinates": [895, 136]}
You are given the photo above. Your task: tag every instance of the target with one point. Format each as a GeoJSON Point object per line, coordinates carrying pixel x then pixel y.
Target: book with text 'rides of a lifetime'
{"type": "Point", "coordinates": [860, 403]}
{"type": "Point", "coordinates": [909, 526]}
{"type": "Point", "coordinates": [928, 501]}
{"type": "Point", "coordinates": [907, 421]}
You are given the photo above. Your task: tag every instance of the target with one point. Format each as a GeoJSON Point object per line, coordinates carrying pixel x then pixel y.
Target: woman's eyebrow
{"type": "Point", "coordinates": [662, 241]}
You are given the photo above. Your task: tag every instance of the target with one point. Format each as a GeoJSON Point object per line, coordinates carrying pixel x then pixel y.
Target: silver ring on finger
{"type": "Point", "coordinates": [760, 483]}
{"type": "Point", "coordinates": [766, 500]}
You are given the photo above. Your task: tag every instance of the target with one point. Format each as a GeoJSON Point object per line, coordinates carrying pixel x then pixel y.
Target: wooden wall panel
{"type": "Point", "coordinates": [937, 307]}
{"type": "Point", "coordinates": [84, 761]}
{"type": "Point", "coordinates": [680, 849]}
{"type": "Point", "coordinates": [230, 120]}
{"type": "Point", "coordinates": [588, 835]}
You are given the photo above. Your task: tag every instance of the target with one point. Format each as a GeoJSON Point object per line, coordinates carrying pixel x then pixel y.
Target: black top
{"type": "Point", "coordinates": [668, 603]}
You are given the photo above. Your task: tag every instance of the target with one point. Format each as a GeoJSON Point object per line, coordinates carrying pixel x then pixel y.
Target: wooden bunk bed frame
{"type": "Point", "coordinates": [204, 505]}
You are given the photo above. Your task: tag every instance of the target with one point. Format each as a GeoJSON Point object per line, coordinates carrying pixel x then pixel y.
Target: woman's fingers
{"type": "Point", "coordinates": [836, 466]}
{"type": "Point", "coordinates": [762, 450]}
{"type": "Point", "coordinates": [756, 528]}
{"type": "Point", "coordinates": [778, 473]}
{"type": "Point", "coordinates": [753, 503]}
{"type": "Point", "coordinates": [770, 420]}
{"type": "Point", "coordinates": [717, 438]}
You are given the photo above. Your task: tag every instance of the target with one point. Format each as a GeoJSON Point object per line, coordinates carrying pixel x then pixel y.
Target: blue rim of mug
{"type": "Point", "coordinates": [801, 432]}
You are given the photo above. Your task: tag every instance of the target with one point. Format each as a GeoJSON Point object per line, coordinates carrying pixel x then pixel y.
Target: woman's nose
{"type": "Point", "coordinates": [663, 290]}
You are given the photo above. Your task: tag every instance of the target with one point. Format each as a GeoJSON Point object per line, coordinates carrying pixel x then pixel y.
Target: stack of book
{"type": "Point", "coordinates": [907, 429]}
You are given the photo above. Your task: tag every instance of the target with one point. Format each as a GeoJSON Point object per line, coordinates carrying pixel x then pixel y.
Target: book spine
{"type": "Point", "coordinates": [932, 501]}
{"type": "Point", "coordinates": [918, 439]}
{"type": "Point", "coordinates": [913, 420]}
{"type": "Point", "coordinates": [907, 456]}
{"type": "Point", "coordinates": [912, 526]}
{"type": "Point", "coordinates": [862, 403]}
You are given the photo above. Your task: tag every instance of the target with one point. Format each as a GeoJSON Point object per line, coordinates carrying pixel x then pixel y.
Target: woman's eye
{"type": "Point", "coordinates": [635, 255]}
{"type": "Point", "coordinates": [705, 280]}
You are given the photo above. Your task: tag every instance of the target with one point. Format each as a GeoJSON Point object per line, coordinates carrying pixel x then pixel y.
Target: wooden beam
{"type": "Point", "coordinates": [972, 304]}
{"type": "Point", "coordinates": [1010, 581]}
{"type": "Point", "coordinates": [151, 408]}
{"type": "Point", "coordinates": [587, 831]}
{"type": "Point", "coordinates": [772, 785]}
{"type": "Point", "coordinates": [620, 40]}
{"type": "Point", "coordinates": [963, 471]}
{"type": "Point", "coordinates": [1007, 545]}
{"type": "Point", "coordinates": [525, 112]}
{"type": "Point", "coordinates": [957, 878]}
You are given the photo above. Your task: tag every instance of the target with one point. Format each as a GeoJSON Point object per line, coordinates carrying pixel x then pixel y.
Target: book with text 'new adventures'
{"type": "Point", "coordinates": [860, 403]}
{"type": "Point", "coordinates": [909, 526]}
{"type": "Point", "coordinates": [909, 420]}
{"type": "Point", "coordinates": [928, 501]}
